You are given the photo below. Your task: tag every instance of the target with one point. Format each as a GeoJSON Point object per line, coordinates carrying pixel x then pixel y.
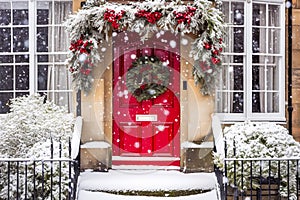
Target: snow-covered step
{"type": "Point", "coordinates": [92, 185]}
{"type": "Point", "coordinates": [84, 195]}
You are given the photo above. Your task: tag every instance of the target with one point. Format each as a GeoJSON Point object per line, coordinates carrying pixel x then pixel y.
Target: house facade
{"type": "Point", "coordinates": [121, 130]}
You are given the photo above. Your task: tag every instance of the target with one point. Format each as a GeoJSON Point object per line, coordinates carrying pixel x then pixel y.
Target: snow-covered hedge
{"type": "Point", "coordinates": [260, 140]}
{"type": "Point", "coordinates": [26, 132]}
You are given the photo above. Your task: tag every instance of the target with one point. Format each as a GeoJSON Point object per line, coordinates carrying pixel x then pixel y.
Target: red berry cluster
{"type": "Point", "coordinates": [85, 67]}
{"type": "Point", "coordinates": [113, 17]}
{"type": "Point", "coordinates": [185, 17]}
{"type": "Point", "coordinates": [82, 46]}
{"type": "Point", "coordinates": [214, 51]}
{"type": "Point", "coordinates": [85, 71]}
{"type": "Point", "coordinates": [152, 17]}
{"type": "Point", "coordinates": [204, 66]}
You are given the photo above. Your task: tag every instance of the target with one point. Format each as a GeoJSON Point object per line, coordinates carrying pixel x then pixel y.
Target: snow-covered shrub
{"type": "Point", "coordinates": [260, 140]}
{"type": "Point", "coordinates": [31, 120]}
{"type": "Point", "coordinates": [26, 132]}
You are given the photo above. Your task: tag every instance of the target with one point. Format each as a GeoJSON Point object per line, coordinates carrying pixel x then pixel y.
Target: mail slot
{"type": "Point", "coordinates": [146, 118]}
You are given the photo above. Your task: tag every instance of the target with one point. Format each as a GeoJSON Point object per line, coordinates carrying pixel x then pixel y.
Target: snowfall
{"type": "Point", "coordinates": [145, 180]}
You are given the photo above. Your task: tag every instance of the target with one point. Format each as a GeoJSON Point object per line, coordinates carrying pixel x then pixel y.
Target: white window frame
{"type": "Point", "coordinates": [32, 51]}
{"type": "Point", "coordinates": [248, 115]}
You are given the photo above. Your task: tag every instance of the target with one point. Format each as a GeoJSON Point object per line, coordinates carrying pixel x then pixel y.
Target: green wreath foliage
{"type": "Point", "coordinates": [147, 78]}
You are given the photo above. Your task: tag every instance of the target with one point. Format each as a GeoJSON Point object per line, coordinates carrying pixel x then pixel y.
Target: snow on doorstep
{"type": "Point", "coordinates": [147, 167]}
{"type": "Point", "coordinates": [96, 144]}
{"type": "Point", "coordinates": [186, 145]}
{"type": "Point", "coordinates": [84, 195]}
{"type": "Point", "coordinates": [145, 158]}
{"type": "Point", "coordinates": [146, 180]}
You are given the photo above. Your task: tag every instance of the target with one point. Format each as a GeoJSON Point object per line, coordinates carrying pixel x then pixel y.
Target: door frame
{"type": "Point", "coordinates": [155, 162]}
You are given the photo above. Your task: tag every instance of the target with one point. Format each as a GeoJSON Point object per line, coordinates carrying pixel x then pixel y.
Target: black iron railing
{"type": "Point", "coordinates": [261, 178]}
{"type": "Point", "coordinates": [258, 178]}
{"type": "Point", "coordinates": [53, 178]}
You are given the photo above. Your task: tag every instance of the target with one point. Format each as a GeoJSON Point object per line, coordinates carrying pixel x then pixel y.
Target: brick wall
{"type": "Point", "coordinates": [296, 69]}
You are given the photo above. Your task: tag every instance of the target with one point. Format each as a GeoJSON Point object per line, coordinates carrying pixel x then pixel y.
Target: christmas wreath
{"type": "Point", "coordinates": [147, 78]}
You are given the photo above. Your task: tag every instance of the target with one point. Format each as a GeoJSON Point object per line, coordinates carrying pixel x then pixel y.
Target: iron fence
{"type": "Point", "coordinates": [260, 178]}
{"type": "Point", "coordinates": [53, 178]}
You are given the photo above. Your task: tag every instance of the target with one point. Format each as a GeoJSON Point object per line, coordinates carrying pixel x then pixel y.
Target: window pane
{"type": "Point", "coordinates": [60, 58]}
{"type": "Point", "coordinates": [4, 99]}
{"type": "Point", "coordinates": [228, 40]}
{"type": "Point", "coordinates": [20, 16]}
{"type": "Point", "coordinates": [21, 39]}
{"type": "Point", "coordinates": [5, 14]}
{"type": "Point", "coordinates": [64, 8]}
{"type": "Point", "coordinates": [43, 12]}
{"type": "Point", "coordinates": [60, 45]}
{"type": "Point", "coordinates": [259, 15]}
{"type": "Point", "coordinates": [238, 102]}
{"type": "Point", "coordinates": [259, 40]}
{"type": "Point", "coordinates": [274, 41]}
{"type": "Point", "coordinates": [42, 17]}
{"type": "Point", "coordinates": [42, 77]}
{"type": "Point", "coordinates": [60, 98]}
{"type": "Point", "coordinates": [62, 79]}
{"type": "Point", "coordinates": [227, 78]}
{"type": "Point", "coordinates": [265, 102]}
{"type": "Point", "coordinates": [234, 12]}
{"type": "Point", "coordinates": [6, 59]}
{"type": "Point", "coordinates": [265, 73]}
{"type": "Point", "coordinates": [22, 77]}
{"type": "Point", "coordinates": [42, 39]}
{"type": "Point", "coordinates": [6, 77]}
{"type": "Point", "coordinates": [22, 58]}
{"type": "Point", "coordinates": [238, 13]}
{"type": "Point", "coordinates": [5, 40]}
{"type": "Point", "coordinates": [258, 78]}
{"type": "Point", "coordinates": [256, 102]}
{"type": "Point", "coordinates": [274, 15]}
{"type": "Point", "coordinates": [238, 39]}
{"type": "Point", "coordinates": [273, 102]}
{"type": "Point", "coordinates": [222, 102]}
{"type": "Point", "coordinates": [43, 58]}
{"type": "Point", "coordinates": [272, 78]}
{"type": "Point", "coordinates": [20, 94]}
{"type": "Point", "coordinates": [238, 73]}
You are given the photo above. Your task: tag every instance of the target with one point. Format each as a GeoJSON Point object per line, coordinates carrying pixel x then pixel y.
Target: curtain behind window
{"type": "Point", "coordinates": [59, 77]}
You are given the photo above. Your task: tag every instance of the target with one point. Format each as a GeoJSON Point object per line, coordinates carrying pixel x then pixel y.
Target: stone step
{"type": "Point", "coordinates": [146, 182]}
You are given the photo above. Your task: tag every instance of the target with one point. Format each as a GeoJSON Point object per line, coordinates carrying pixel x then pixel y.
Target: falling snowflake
{"type": "Point", "coordinates": [82, 57]}
{"type": "Point", "coordinates": [166, 112]}
{"type": "Point", "coordinates": [151, 92]}
{"type": "Point", "coordinates": [137, 145]}
{"type": "Point", "coordinates": [133, 56]}
{"type": "Point", "coordinates": [173, 44]}
{"type": "Point", "coordinates": [161, 127]}
{"type": "Point", "coordinates": [184, 41]}
{"type": "Point", "coordinates": [114, 34]}
{"type": "Point", "coordinates": [120, 94]}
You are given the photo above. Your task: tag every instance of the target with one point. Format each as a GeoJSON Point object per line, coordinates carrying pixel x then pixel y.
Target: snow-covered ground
{"type": "Point", "coordinates": [145, 180]}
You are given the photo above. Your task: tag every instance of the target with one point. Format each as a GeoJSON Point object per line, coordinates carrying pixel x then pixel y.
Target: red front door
{"type": "Point", "coordinates": [146, 132]}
